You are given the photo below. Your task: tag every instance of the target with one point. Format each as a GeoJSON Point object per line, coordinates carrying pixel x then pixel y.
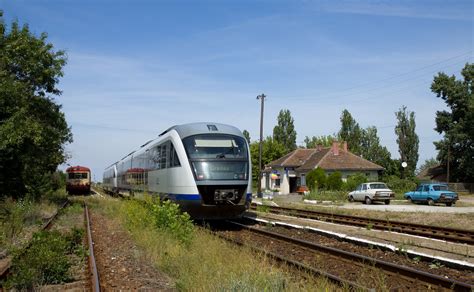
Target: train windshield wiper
{"type": "Point", "coordinates": [220, 155]}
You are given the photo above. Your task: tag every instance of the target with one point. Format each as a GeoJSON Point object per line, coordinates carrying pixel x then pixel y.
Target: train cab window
{"type": "Point", "coordinates": [77, 175]}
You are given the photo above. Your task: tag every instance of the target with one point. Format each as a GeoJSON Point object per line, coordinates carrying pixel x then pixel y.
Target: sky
{"type": "Point", "coordinates": [135, 68]}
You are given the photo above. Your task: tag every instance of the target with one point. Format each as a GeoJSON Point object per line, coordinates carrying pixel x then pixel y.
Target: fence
{"type": "Point", "coordinates": [462, 187]}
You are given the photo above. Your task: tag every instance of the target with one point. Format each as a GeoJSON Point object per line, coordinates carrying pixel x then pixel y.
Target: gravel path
{"type": "Point", "coordinates": [120, 263]}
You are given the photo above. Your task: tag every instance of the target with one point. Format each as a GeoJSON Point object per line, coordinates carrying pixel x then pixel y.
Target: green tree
{"type": "Point", "coordinates": [33, 130]}
{"type": "Point", "coordinates": [271, 150]}
{"type": "Point", "coordinates": [371, 150]}
{"type": "Point", "coordinates": [284, 132]}
{"type": "Point", "coordinates": [457, 125]}
{"type": "Point", "coordinates": [350, 132]}
{"type": "Point", "coordinates": [407, 140]}
{"type": "Point", "coordinates": [246, 135]}
{"type": "Point", "coordinates": [325, 141]}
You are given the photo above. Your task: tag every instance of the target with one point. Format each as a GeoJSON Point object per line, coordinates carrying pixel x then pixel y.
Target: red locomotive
{"type": "Point", "coordinates": [78, 180]}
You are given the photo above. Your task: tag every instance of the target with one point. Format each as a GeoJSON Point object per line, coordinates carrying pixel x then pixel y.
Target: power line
{"type": "Point", "coordinates": [360, 92]}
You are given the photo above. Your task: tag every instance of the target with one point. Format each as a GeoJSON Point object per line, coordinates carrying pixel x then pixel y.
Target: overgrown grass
{"type": "Point", "coordinates": [202, 262]}
{"type": "Point", "coordinates": [19, 217]}
{"type": "Point", "coordinates": [46, 261]}
{"type": "Point", "coordinates": [323, 195]}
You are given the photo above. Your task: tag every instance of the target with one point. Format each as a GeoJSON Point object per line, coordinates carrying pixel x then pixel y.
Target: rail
{"type": "Point", "coordinates": [392, 268]}
{"type": "Point", "coordinates": [92, 264]}
{"type": "Point", "coordinates": [436, 232]}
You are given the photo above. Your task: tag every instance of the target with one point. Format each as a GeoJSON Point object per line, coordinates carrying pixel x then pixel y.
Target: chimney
{"type": "Point", "coordinates": [335, 148]}
{"type": "Point", "coordinates": [344, 146]}
{"type": "Point", "coordinates": [319, 147]}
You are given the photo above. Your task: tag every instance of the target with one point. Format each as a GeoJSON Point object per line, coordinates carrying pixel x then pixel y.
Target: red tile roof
{"type": "Point", "coordinates": [308, 159]}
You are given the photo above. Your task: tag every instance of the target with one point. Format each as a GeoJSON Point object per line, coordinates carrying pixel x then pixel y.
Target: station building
{"type": "Point", "coordinates": [287, 173]}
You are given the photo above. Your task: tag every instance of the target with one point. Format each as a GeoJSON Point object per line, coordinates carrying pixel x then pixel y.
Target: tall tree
{"type": "Point", "coordinates": [271, 150]}
{"type": "Point", "coordinates": [350, 132]}
{"type": "Point", "coordinates": [457, 125]}
{"type": "Point", "coordinates": [284, 132]}
{"type": "Point", "coordinates": [314, 141]}
{"type": "Point", "coordinates": [33, 129]}
{"type": "Point", "coordinates": [372, 150]}
{"type": "Point", "coordinates": [407, 140]}
{"type": "Point", "coordinates": [246, 135]}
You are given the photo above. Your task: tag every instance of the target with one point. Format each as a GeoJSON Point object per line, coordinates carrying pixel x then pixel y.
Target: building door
{"type": "Point", "coordinates": [293, 184]}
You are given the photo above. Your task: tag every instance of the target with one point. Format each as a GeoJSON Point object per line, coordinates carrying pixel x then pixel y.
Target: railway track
{"type": "Point", "coordinates": [94, 274]}
{"type": "Point", "coordinates": [94, 280]}
{"type": "Point", "coordinates": [344, 266]}
{"type": "Point", "coordinates": [5, 267]}
{"type": "Point", "coordinates": [436, 232]}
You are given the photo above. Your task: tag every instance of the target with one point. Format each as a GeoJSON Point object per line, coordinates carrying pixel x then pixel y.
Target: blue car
{"type": "Point", "coordinates": [431, 194]}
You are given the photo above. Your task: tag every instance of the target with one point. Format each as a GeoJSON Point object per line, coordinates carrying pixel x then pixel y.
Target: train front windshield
{"type": "Point", "coordinates": [218, 157]}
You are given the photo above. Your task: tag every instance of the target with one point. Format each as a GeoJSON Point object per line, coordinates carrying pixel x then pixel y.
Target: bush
{"type": "Point", "coordinates": [399, 185]}
{"type": "Point", "coordinates": [316, 179]}
{"type": "Point", "coordinates": [168, 216]}
{"type": "Point", "coordinates": [334, 181]}
{"type": "Point", "coordinates": [46, 261]}
{"type": "Point", "coordinates": [354, 180]}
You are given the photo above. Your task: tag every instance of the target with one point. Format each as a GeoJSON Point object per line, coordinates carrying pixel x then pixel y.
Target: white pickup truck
{"type": "Point", "coordinates": [370, 192]}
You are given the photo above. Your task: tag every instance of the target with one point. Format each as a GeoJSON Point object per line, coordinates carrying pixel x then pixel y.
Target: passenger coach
{"type": "Point", "coordinates": [204, 167]}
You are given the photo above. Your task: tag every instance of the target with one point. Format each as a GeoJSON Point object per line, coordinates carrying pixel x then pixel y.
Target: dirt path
{"type": "Point", "coordinates": [120, 263]}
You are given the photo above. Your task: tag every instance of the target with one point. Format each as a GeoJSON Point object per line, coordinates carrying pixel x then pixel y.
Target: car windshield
{"type": "Point", "coordinates": [440, 188]}
{"type": "Point", "coordinates": [378, 186]}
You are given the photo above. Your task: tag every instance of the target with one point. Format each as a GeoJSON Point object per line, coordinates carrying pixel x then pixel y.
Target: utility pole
{"type": "Point", "coordinates": [449, 152]}
{"type": "Point", "coordinates": [259, 182]}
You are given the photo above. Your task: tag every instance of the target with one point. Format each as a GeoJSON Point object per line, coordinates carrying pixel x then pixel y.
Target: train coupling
{"type": "Point", "coordinates": [225, 195]}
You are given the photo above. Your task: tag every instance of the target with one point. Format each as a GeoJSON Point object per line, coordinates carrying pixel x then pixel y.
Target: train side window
{"type": "Point", "coordinates": [156, 157]}
{"type": "Point", "coordinates": [163, 156]}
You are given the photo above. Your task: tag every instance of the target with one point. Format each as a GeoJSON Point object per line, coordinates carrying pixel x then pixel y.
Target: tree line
{"type": "Point", "coordinates": [456, 148]}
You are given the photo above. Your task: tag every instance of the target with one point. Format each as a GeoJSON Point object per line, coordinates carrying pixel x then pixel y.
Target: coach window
{"type": "Point", "coordinates": [163, 156]}
{"type": "Point", "coordinates": [156, 157]}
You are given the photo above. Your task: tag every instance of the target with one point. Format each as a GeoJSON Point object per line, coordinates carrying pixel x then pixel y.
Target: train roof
{"type": "Point", "coordinates": [187, 130]}
{"type": "Point", "coordinates": [77, 168]}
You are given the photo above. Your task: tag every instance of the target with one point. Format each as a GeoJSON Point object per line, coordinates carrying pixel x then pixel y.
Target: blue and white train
{"type": "Point", "coordinates": [204, 167]}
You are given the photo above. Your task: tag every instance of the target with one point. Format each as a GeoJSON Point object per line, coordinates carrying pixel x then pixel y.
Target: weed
{"type": "Point", "coordinates": [369, 226]}
{"type": "Point", "coordinates": [402, 249]}
{"type": "Point", "coordinates": [13, 215]}
{"type": "Point", "coordinates": [417, 259]}
{"type": "Point", "coordinates": [263, 208]}
{"type": "Point", "coordinates": [45, 261]}
{"type": "Point", "coordinates": [436, 265]}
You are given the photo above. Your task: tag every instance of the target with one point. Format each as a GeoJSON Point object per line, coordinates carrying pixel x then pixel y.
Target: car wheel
{"type": "Point", "coordinates": [351, 199]}
{"type": "Point", "coordinates": [449, 204]}
{"type": "Point", "coordinates": [387, 202]}
{"type": "Point", "coordinates": [409, 199]}
{"type": "Point", "coordinates": [368, 201]}
{"type": "Point", "coordinates": [430, 202]}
